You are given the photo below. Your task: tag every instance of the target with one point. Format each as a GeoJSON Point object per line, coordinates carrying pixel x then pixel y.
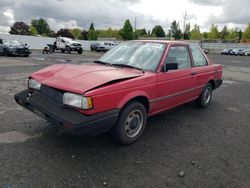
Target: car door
{"type": "Point", "coordinates": [175, 86]}
{"type": "Point", "coordinates": [60, 43]}
{"type": "Point", "coordinates": [201, 68]}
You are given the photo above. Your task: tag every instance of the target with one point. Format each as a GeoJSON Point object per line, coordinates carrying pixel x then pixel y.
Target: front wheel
{"type": "Point", "coordinates": [205, 97]}
{"type": "Point", "coordinates": [5, 52]}
{"type": "Point", "coordinates": [79, 51]}
{"type": "Point", "coordinates": [131, 123]}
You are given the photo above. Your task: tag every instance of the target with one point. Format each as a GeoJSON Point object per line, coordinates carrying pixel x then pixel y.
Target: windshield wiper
{"type": "Point", "coordinates": [102, 62]}
{"type": "Point", "coordinates": [129, 66]}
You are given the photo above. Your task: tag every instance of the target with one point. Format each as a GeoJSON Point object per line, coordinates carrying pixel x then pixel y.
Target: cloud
{"type": "Point", "coordinates": [77, 13]}
{"type": "Point", "coordinates": [113, 13]}
{"type": "Point", "coordinates": [234, 14]}
{"type": "Point", "coordinates": [208, 2]}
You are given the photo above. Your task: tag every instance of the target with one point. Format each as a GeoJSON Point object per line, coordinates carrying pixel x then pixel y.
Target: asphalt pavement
{"type": "Point", "coordinates": [183, 147]}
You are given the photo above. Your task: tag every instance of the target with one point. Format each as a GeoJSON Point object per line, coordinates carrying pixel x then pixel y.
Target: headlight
{"type": "Point", "coordinates": [77, 101]}
{"type": "Point", "coordinates": [33, 84]}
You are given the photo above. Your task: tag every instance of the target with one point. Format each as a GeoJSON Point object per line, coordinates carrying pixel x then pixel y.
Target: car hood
{"type": "Point", "coordinates": [73, 43]}
{"type": "Point", "coordinates": [82, 78]}
{"type": "Point", "coordinates": [16, 46]}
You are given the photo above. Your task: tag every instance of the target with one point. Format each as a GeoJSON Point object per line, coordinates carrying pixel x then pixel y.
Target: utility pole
{"type": "Point", "coordinates": [135, 24]}
{"type": "Point", "coordinates": [184, 26]}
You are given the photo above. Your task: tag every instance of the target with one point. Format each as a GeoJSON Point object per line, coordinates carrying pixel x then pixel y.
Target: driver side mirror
{"type": "Point", "coordinates": [170, 66]}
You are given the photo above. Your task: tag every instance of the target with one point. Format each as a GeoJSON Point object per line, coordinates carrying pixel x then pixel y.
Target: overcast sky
{"type": "Point", "coordinates": [113, 13]}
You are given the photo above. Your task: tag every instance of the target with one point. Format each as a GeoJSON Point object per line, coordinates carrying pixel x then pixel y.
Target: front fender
{"type": "Point", "coordinates": [131, 96]}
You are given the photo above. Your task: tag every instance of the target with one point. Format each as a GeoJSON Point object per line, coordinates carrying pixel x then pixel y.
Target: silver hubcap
{"type": "Point", "coordinates": [133, 123]}
{"type": "Point", "coordinates": [207, 95]}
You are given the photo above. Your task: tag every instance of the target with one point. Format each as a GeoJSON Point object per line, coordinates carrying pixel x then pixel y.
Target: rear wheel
{"type": "Point", "coordinates": [205, 97]}
{"type": "Point", "coordinates": [67, 50]}
{"type": "Point", "coordinates": [131, 123]}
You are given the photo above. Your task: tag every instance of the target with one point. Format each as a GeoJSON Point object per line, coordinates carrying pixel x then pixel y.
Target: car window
{"type": "Point", "coordinates": [198, 57]}
{"type": "Point", "coordinates": [144, 55]}
{"type": "Point", "coordinates": [180, 55]}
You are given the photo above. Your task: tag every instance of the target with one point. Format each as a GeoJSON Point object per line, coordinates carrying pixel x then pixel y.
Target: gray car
{"type": "Point", "coordinates": [13, 48]}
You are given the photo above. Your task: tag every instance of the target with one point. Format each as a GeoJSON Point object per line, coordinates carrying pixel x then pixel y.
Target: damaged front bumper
{"type": "Point", "coordinates": [66, 118]}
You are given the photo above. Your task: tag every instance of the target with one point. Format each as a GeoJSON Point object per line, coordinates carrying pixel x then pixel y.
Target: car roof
{"type": "Point", "coordinates": [165, 41]}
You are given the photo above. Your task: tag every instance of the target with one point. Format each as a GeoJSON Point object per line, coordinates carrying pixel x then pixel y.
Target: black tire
{"type": "Point", "coordinates": [67, 50]}
{"type": "Point", "coordinates": [205, 97]}
{"type": "Point", "coordinates": [5, 52]}
{"type": "Point", "coordinates": [79, 51]}
{"type": "Point", "coordinates": [51, 49]}
{"type": "Point", "coordinates": [131, 123]}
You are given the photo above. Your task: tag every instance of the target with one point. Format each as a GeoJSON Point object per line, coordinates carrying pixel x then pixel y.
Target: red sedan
{"type": "Point", "coordinates": [117, 93]}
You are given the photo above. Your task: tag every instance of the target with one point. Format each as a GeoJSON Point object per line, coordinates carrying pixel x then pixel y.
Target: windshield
{"type": "Point", "coordinates": [143, 55]}
{"type": "Point", "coordinates": [11, 42]}
{"type": "Point", "coordinates": [68, 39]}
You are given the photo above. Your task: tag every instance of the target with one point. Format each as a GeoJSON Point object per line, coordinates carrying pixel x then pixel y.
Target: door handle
{"type": "Point", "coordinates": [193, 73]}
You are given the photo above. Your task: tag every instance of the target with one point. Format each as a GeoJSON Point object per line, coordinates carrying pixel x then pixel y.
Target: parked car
{"type": "Point", "coordinates": [102, 46]}
{"type": "Point", "coordinates": [247, 53]}
{"type": "Point", "coordinates": [241, 52]}
{"type": "Point", "coordinates": [94, 46]}
{"type": "Point", "coordinates": [226, 51]}
{"type": "Point", "coordinates": [66, 45]}
{"type": "Point", "coordinates": [117, 93]}
{"type": "Point", "coordinates": [13, 48]}
{"type": "Point", "coordinates": [234, 52]}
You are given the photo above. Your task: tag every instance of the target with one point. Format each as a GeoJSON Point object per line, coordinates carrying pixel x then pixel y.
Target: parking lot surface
{"type": "Point", "coordinates": [183, 147]}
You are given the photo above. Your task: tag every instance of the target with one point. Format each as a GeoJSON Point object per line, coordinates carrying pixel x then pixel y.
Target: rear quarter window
{"type": "Point", "coordinates": [198, 57]}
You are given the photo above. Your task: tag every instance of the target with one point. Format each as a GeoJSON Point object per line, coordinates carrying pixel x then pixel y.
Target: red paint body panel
{"type": "Point", "coordinates": [81, 78]}
{"type": "Point", "coordinates": [112, 87]}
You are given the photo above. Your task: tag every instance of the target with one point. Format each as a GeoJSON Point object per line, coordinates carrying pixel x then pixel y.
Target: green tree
{"type": "Point", "coordinates": [246, 34]}
{"type": "Point", "coordinates": [204, 35]}
{"type": "Point", "coordinates": [232, 35]}
{"type": "Point", "coordinates": [92, 33]}
{"type": "Point", "coordinates": [140, 33]}
{"type": "Point", "coordinates": [91, 27]}
{"type": "Point", "coordinates": [33, 31]}
{"type": "Point", "coordinates": [108, 33]}
{"type": "Point", "coordinates": [149, 33]}
{"type": "Point", "coordinates": [240, 35]}
{"type": "Point", "coordinates": [77, 33]}
{"type": "Point", "coordinates": [195, 33]}
{"type": "Point", "coordinates": [19, 28]}
{"type": "Point", "coordinates": [127, 31]}
{"type": "Point", "coordinates": [158, 31]}
{"type": "Point", "coordinates": [84, 34]}
{"type": "Point", "coordinates": [186, 33]}
{"type": "Point", "coordinates": [224, 33]}
{"type": "Point", "coordinates": [213, 33]}
{"type": "Point", "coordinates": [175, 30]}
{"type": "Point", "coordinates": [41, 26]}
{"type": "Point", "coordinates": [65, 33]}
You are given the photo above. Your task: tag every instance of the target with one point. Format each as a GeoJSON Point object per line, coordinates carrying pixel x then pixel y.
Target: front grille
{"type": "Point", "coordinates": [21, 50]}
{"type": "Point", "coordinates": [54, 94]}
{"type": "Point", "coordinates": [76, 44]}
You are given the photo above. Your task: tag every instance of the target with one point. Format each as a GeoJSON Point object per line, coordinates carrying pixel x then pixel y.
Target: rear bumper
{"type": "Point", "coordinates": [66, 118]}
